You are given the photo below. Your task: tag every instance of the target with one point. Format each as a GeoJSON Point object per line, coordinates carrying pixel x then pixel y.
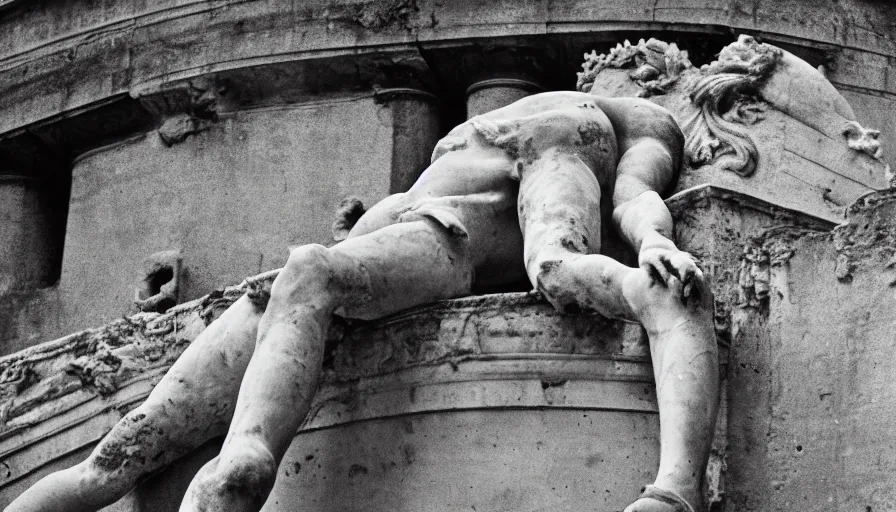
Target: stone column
{"type": "Point", "coordinates": [488, 95]}
{"type": "Point", "coordinates": [415, 132]}
{"type": "Point", "coordinates": [27, 255]}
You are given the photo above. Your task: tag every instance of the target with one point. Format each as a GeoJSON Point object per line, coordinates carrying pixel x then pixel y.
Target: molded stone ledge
{"type": "Point", "coordinates": [482, 352]}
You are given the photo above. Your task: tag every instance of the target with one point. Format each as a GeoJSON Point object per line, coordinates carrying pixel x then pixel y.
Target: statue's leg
{"type": "Point", "coordinates": [367, 276]}
{"type": "Point", "coordinates": [191, 404]}
{"type": "Point", "coordinates": [560, 218]}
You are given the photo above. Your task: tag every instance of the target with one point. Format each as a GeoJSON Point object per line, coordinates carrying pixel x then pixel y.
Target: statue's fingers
{"type": "Point", "coordinates": [684, 262]}
{"type": "Point", "coordinates": [676, 287]}
{"type": "Point", "coordinates": [688, 281]}
{"type": "Point", "coordinates": [695, 286]}
{"type": "Point", "coordinates": [671, 267]}
{"type": "Point", "coordinates": [656, 270]}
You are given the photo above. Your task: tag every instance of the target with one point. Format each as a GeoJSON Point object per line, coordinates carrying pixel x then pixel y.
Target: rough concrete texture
{"type": "Point", "coordinates": [492, 353]}
{"type": "Point", "coordinates": [812, 361]}
{"type": "Point", "coordinates": [26, 241]}
{"type": "Point", "coordinates": [30, 254]}
{"type": "Point", "coordinates": [94, 51]}
{"type": "Point", "coordinates": [68, 60]}
{"type": "Point", "coordinates": [232, 199]}
{"type": "Point", "coordinates": [79, 76]}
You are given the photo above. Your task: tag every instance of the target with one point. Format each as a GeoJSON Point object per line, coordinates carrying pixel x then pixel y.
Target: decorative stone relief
{"type": "Point", "coordinates": [725, 93]}
{"type": "Point", "coordinates": [202, 112]}
{"type": "Point", "coordinates": [160, 286]}
{"type": "Point", "coordinates": [866, 141]}
{"type": "Point", "coordinates": [727, 98]}
{"type": "Point", "coordinates": [658, 65]}
{"type": "Point", "coordinates": [721, 105]}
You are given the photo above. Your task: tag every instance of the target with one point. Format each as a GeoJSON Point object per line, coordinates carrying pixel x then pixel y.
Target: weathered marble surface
{"type": "Point", "coordinates": [752, 290]}
{"type": "Point", "coordinates": [77, 77]}
{"type": "Point", "coordinates": [491, 352]}
{"type": "Point", "coordinates": [231, 197]}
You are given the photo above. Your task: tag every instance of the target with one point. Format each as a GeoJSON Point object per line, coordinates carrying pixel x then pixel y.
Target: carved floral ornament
{"type": "Point", "coordinates": [726, 97]}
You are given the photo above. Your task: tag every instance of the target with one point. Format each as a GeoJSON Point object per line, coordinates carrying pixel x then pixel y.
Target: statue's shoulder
{"type": "Point", "coordinates": [758, 119]}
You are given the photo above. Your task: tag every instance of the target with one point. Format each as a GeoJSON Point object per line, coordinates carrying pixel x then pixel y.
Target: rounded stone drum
{"type": "Point", "coordinates": [488, 403]}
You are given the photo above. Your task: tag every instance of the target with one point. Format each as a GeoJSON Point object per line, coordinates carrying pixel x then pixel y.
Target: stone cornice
{"type": "Point", "coordinates": [60, 63]}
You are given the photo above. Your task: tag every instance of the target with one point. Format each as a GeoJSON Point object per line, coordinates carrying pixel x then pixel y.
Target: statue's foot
{"type": "Point", "coordinates": [241, 483]}
{"type": "Point", "coordinates": [654, 499]}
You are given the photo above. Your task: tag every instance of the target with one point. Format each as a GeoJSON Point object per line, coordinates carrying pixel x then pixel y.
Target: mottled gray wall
{"type": "Point", "coordinates": [232, 199]}
{"type": "Point", "coordinates": [812, 372]}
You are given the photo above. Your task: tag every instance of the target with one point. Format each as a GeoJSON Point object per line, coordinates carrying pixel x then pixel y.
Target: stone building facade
{"type": "Point", "coordinates": [177, 147]}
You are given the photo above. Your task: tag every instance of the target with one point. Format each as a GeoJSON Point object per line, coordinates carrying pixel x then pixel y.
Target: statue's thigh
{"type": "Point", "coordinates": [559, 208]}
{"type": "Point", "coordinates": [405, 264]}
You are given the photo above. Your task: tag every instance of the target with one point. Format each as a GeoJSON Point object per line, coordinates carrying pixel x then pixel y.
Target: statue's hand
{"type": "Point", "coordinates": [672, 268]}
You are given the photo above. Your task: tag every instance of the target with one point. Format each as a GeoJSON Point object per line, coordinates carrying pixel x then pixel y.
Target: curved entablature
{"type": "Point", "coordinates": [63, 60]}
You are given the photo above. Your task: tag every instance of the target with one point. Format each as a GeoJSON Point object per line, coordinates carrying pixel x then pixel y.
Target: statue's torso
{"type": "Point", "coordinates": [473, 158]}
{"type": "Point", "coordinates": [473, 182]}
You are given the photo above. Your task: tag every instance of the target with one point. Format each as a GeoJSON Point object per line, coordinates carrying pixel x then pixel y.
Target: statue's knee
{"type": "Point", "coordinates": [553, 282]}
{"type": "Point", "coordinates": [638, 290]}
{"type": "Point", "coordinates": [251, 466]}
{"type": "Point", "coordinates": [97, 478]}
{"type": "Point", "coordinates": [308, 270]}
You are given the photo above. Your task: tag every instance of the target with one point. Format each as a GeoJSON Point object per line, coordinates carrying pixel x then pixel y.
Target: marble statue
{"type": "Point", "coordinates": [519, 192]}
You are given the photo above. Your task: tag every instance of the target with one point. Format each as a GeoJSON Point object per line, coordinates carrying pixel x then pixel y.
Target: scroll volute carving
{"type": "Point", "coordinates": [727, 97]}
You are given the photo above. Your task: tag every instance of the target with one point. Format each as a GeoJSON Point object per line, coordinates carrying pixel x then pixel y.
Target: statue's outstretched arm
{"type": "Point", "coordinates": [647, 167]}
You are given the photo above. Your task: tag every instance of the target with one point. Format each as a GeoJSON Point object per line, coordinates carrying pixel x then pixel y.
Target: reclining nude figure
{"type": "Point", "coordinates": [512, 193]}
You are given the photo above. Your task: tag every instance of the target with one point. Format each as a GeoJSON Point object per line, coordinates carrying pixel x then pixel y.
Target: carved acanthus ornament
{"type": "Point", "coordinates": [727, 98]}
{"type": "Point", "coordinates": [725, 93]}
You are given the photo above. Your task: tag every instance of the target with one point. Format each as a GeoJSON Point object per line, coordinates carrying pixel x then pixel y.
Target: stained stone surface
{"type": "Point", "coordinates": [749, 124]}
{"type": "Point", "coordinates": [789, 289]}
{"type": "Point", "coordinates": [459, 371]}
{"type": "Point", "coordinates": [812, 362]}
{"type": "Point", "coordinates": [231, 197]}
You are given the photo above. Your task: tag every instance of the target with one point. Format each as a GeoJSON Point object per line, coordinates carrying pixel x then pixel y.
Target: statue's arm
{"type": "Point", "coordinates": [640, 215]}
{"type": "Point", "coordinates": [651, 151]}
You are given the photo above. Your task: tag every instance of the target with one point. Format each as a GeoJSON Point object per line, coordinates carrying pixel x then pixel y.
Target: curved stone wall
{"type": "Point", "coordinates": [413, 412]}
{"type": "Point", "coordinates": [231, 199]}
